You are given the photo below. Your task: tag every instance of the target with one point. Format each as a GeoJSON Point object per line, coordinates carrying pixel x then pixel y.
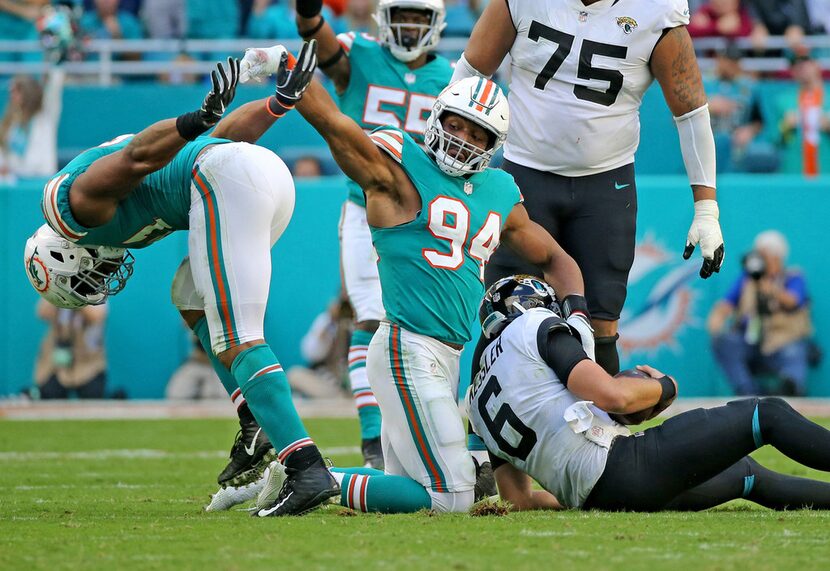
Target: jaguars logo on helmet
{"type": "Point", "coordinates": [510, 297]}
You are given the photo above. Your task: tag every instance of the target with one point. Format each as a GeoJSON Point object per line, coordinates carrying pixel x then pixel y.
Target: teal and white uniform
{"type": "Point", "coordinates": [226, 236]}
{"type": "Point", "coordinates": [381, 91]}
{"type": "Point", "coordinates": [431, 272]}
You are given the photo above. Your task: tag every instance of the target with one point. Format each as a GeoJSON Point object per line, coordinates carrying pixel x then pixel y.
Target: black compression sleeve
{"type": "Point", "coordinates": [560, 350]}
{"type": "Point", "coordinates": [477, 353]}
{"type": "Point", "coordinates": [309, 8]}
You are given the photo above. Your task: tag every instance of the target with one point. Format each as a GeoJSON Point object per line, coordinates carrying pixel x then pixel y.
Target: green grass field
{"type": "Point", "coordinates": [113, 495]}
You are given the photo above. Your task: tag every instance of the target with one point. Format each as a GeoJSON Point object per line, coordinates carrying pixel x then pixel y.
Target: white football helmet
{"type": "Point", "coordinates": [400, 44]}
{"type": "Point", "coordinates": [481, 101]}
{"type": "Point", "coordinates": [72, 276]}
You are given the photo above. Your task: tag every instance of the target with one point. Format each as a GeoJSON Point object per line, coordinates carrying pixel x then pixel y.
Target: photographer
{"type": "Point", "coordinates": [769, 307]}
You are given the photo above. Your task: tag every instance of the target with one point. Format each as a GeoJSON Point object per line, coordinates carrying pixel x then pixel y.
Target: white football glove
{"type": "Point", "coordinates": [259, 63]}
{"type": "Point", "coordinates": [579, 323]}
{"type": "Point", "coordinates": [705, 230]}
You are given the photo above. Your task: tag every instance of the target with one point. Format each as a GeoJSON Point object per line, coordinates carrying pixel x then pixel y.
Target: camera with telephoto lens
{"type": "Point", "coordinates": [754, 265]}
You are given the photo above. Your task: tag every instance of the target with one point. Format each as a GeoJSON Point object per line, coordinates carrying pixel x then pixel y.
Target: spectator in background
{"type": "Point", "coordinates": [213, 20]}
{"type": "Point", "coordinates": [769, 308]}
{"type": "Point", "coordinates": [805, 123]}
{"type": "Point", "coordinates": [736, 116]}
{"type": "Point", "coordinates": [195, 379]}
{"type": "Point", "coordinates": [72, 357]}
{"type": "Point", "coordinates": [165, 19]}
{"type": "Point", "coordinates": [307, 167]}
{"type": "Point", "coordinates": [786, 18]}
{"type": "Point", "coordinates": [29, 126]}
{"type": "Point", "coordinates": [721, 18]}
{"type": "Point", "coordinates": [108, 22]}
{"type": "Point", "coordinates": [17, 22]}
{"type": "Point", "coordinates": [325, 347]}
{"type": "Point", "coordinates": [819, 14]}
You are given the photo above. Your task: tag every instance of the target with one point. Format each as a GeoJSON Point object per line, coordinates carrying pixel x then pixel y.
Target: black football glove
{"type": "Point", "coordinates": [222, 92]}
{"type": "Point", "coordinates": [294, 76]}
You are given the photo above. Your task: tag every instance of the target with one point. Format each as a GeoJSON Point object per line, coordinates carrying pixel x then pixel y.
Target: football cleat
{"type": "Point", "coordinates": [372, 453]}
{"type": "Point", "coordinates": [273, 484]}
{"type": "Point", "coordinates": [302, 491]}
{"type": "Point", "coordinates": [250, 455]}
{"type": "Point", "coordinates": [226, 498]}
{"type": "Point", "coordinates": [485, 481]}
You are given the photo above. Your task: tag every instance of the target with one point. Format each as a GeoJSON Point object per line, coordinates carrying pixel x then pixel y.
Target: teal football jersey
{"type": "Point", "coordinates": [159, 205]}
{"type": "Point", "coordinates": [432, 268]}
{"type": "Point", "coordinates": [384, 91]}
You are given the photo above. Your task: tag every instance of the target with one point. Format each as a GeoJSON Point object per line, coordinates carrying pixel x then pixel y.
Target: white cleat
{"type": "Point", "coordinates": [259, 63]}
{"type": "Point", "coordinates": [226, 498]}
{"type": "Point", "coordinates": [274, 478]}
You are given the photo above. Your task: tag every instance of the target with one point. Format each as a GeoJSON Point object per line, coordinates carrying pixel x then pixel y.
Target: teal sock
{"type": "Point", "coordinates": [268, 395]}
{"type": "Point", "coordinates": [362, 470]}
{"type": "Point", "coordinates": [367, 406]}
{"type": "Point", "coordinates": [382, 493]}
{"type": "Point", "coordinates": [203, 333]}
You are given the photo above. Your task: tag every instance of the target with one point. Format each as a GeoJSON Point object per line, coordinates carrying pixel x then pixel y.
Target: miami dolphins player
{"type": "Point", "coordinates": [436, 216]}
{"type": "Point", "coordinates": [391, 80]}
{"type": "Point", "coordinates": [235, 199]}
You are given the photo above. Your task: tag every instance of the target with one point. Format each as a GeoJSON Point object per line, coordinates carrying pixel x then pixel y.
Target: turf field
{"type": "Point", "coordinates": [113, 495]}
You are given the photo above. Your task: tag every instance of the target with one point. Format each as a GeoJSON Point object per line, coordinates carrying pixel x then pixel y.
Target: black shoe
{"type": "Point", "coordinates": [485, 481]}
{"type": "Point", "coordinates": [250, 455]}
{"type": "Point", "coordinates": [372, 453]}
{"type": "Point", "coordinates": [302, 491]}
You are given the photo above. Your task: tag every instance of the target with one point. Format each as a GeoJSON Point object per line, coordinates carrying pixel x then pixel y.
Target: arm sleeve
{"type": "Point", "coordinates": [559, 349]}
{"type": "Point", "coordinates": [495, 461]}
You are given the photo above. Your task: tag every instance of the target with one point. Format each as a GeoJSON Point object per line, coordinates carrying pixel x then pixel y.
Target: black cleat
{"type": "Point", "coordinates": [302, 491]}
{"type": "Point", "coordinates": [372, 453]}
{"type": "Point", "coordinates": [250, 455]}
{"type": "Point", "coordinates": [485, 481]}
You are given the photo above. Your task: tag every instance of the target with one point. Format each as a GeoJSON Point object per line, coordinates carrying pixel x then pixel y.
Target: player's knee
{"type": "Point", "coordinates": [449, 502]}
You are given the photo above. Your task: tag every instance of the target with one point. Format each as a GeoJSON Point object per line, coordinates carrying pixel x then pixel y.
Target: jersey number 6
{"type": "Point", "coordinates": [449, 220]}
{"type": "Point", "coordinates": [586, 70]}
{"type": "Point", "coordinates": [522, 438]}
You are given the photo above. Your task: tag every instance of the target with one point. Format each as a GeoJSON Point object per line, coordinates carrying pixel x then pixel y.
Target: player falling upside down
{"type": "Point", "coordinates": [541, 406]}
{"type": "Point", "coordinates": [137, 189]}
{"type": "Point", "coordinates": [435, 216]}
{"type": "Point", "coordinates": [390, 80]}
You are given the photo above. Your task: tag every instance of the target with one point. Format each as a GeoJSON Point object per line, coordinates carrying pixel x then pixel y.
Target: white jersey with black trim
{"type": "Point", "coordinates": [578, 76]}
{"type": "Point", "coordinates": [517, 406]}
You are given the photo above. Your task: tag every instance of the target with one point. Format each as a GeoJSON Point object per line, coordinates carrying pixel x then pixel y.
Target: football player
{"type": "Point", "coordinates": [436, 216]}
{"type": "Point", "coordinates": [541, 406]}
{"type": "Point", "coordinates": [391, 80]}
{"type": "Point", "coordinates": [579, 69]}
{"type": "Point", "coordinates": [235, 199]}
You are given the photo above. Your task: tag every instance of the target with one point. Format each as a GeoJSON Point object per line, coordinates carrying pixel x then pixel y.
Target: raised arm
{"type": "Point", "coordinates": [354, 151]}
{"type": "Point", "coordinates": [334, 61]}
{"type": "Point", "coordinates": [675, 67]}
{"type": "Point", "coordinates": [96, 193]}
{"type": "Point", "coordinates": [491, 40]}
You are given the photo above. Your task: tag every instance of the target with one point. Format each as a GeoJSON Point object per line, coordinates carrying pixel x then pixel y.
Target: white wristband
{"type": "Point", "coordinates": [463, 70]}
{"type": "Point", "coordinates": [697, 144]}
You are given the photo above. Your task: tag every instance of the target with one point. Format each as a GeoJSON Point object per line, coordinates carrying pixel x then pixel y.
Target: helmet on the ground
{"type": "Point", "coordinates": [405, 48]}
{"type": "Point", "coordinates": [481, 101]}
{"type": "Point", "coordinates": [510, 297]}
{"type": "Point", "coordinates": [72, 276]}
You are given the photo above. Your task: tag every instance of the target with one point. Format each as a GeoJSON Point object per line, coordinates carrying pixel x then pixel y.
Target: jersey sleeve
{"type": "Point", "coordinates": [390, 141]}
{"type": "Point", "coordinates": [675, 13]}
{"type": "Point", "coordinates": [346, 40]}
{"type": "Point", "coordinates": [55, 205]}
